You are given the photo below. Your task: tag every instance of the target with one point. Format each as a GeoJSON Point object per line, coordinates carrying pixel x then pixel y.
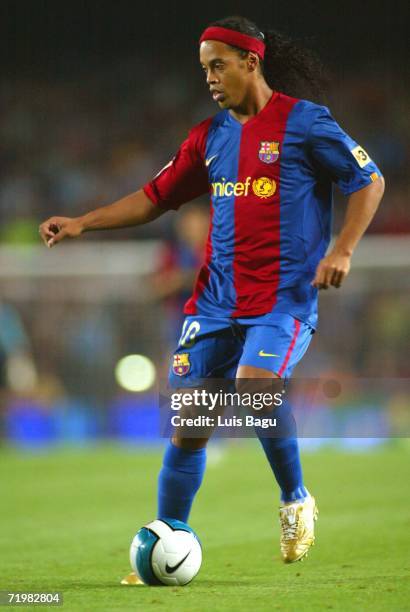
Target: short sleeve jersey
{"type": "Point", "coordinates": [270, 184]}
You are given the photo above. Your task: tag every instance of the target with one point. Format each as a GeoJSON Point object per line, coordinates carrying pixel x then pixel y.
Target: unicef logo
{"type": "Point", "coordinates": [264, 187]}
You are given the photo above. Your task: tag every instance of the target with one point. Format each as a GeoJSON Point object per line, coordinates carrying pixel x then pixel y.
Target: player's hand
{"type": "Point", "coordinates": [331, 271]}
{"type": "Point", "coordinates": [56, 229]}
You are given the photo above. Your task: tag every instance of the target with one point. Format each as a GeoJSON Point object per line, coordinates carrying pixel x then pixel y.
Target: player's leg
{"type": "Point", "coordinates": [204, 355]}
{"type": "Point", "coordinates": [181, 475]}
{"type": "Point", "coordinates": [273, 352]}
{"type": "Point", "coordinates": [282, 453]}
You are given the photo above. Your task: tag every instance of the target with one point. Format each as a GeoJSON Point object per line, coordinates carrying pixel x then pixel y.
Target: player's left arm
{"type": "Point", "coordinates": [361, 208]}
{"type": "Point", "coordinates": [359, 179]}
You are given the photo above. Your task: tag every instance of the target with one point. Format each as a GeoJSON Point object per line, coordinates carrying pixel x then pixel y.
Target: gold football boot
{"type": "Point", "coordinates": [297, 521]}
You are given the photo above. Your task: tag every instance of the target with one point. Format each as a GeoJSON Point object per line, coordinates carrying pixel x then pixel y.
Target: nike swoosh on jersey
{"type": "Point", "coordinates": [171, 569]}
{"type": "Point", "coordinates": [263, 354]}
{"type": "Point", "coordinates": [210, 159]}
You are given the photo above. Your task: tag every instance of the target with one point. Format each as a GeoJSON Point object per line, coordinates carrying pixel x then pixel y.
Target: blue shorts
{"type": "Point", "coordinates": [215, 347]}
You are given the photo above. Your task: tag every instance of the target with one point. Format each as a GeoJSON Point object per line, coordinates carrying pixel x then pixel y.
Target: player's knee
{"type": "Point", "coordinates": [260, 385]}
{"type": "Point", "coordinates": [250, 379]}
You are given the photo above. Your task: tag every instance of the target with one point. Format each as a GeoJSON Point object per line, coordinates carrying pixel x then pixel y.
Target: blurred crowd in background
{"type": "Point", "coordinates": [72, 145]}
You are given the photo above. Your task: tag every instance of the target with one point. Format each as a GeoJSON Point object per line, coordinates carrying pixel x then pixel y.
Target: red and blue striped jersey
{"type": "Point", "coordinates": [270, 182]}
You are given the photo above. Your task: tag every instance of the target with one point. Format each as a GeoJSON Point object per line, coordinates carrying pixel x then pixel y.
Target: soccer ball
{"type": "Point", "coordinates": [166, 552]}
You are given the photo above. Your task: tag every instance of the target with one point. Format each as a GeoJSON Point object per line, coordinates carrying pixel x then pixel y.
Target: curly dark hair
{"type": "Point", "coordinates": [287, 67]}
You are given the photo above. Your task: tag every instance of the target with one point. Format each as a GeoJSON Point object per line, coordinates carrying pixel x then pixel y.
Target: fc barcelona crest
{"type": "Point", "coordinates": [181, 364]}
{"type": "Point", "coordinates": [269, 152]}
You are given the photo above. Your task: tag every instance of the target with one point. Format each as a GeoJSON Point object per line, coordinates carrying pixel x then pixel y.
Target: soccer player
{"type": "Point", "coordinates": [268, 161]}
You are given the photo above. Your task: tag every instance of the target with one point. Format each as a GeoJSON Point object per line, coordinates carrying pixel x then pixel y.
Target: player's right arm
{"type": "Point", "coordinates": [182, 180]}
{"type": "Point", "coordinates": [134, 209]}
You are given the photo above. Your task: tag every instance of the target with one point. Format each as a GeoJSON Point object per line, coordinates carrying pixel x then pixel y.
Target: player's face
{"type": "Point", "coordinates": [227, 74]}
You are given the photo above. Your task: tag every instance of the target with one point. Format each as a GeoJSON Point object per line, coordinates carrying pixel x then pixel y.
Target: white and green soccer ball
{"type": "Point", "coordinates": [166, 552]}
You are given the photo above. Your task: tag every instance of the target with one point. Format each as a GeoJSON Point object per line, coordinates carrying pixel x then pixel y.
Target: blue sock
{"type": "Point", "coordinates": [283, 455]}
{"type": "Point", "coordinates": [179, 480]}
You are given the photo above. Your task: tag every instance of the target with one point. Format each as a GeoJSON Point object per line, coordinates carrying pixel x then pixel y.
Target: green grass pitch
{"type": "Point", "coordinates": [67, 519]}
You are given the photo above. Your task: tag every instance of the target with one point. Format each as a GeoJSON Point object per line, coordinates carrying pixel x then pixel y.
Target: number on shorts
{"type": "Point", "coordinates": [189, 333]}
